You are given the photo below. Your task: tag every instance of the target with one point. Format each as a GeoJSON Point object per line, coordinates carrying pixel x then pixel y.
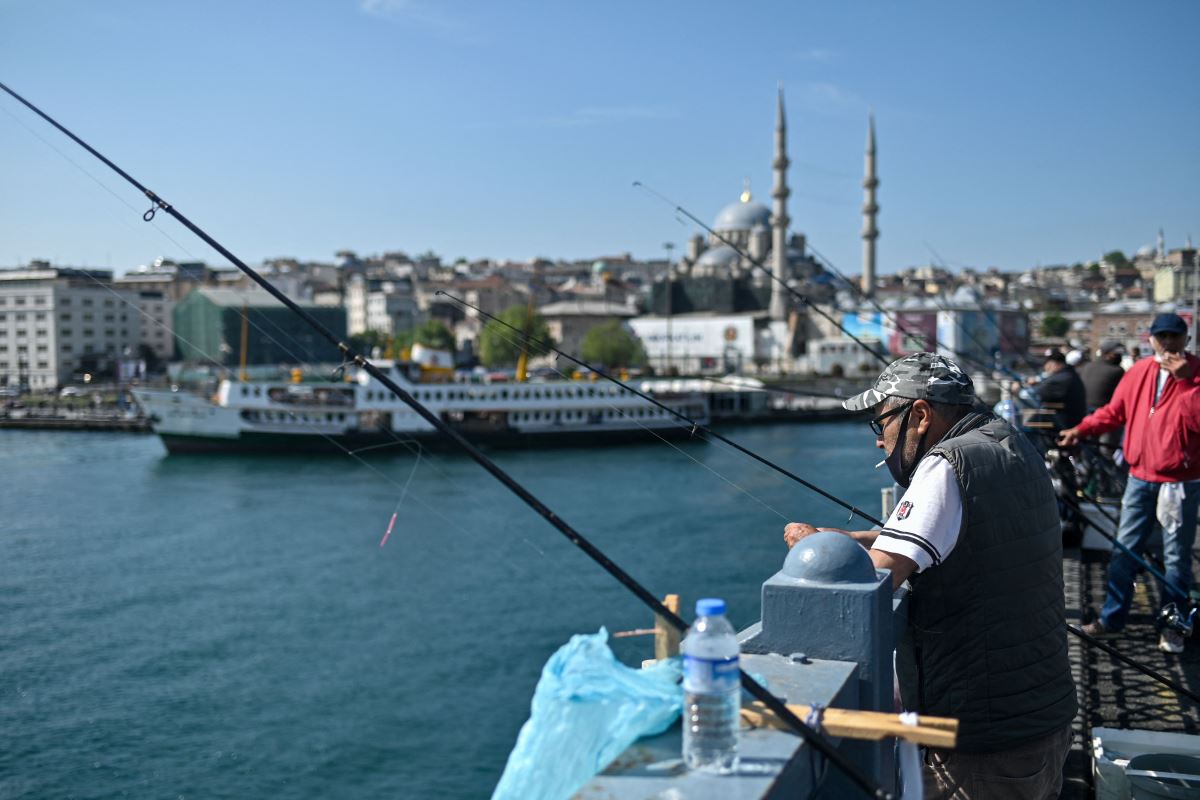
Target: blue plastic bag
{"type": "Point", "coordinates": [587, 708]}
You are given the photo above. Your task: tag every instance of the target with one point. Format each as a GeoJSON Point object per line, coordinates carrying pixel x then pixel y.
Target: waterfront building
{"type": "Point", "coordinates": [58, 322]}
{"type": "Point", "coordinates": [1128, 322]}
{"type": "Point", "coordinates": [208, 327]}
{"type": "Point", "coordinates": [704, 343]}
{"type": "Point", "coordinates": [965, 325]}
{"type": "Point", "coordinates": [1175, 277]}
{"type": "Point", "coordinates": [568, 321]}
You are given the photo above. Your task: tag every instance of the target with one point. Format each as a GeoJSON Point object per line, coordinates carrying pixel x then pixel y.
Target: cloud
{"type": "Point", "coordinates": [827, 98]}
{"type": "Point", "coordinates": [588, 116]}
{"type": "Point", "coordinates": [819, 55]}
{"type": "Point", "coordinates": [424, 14]}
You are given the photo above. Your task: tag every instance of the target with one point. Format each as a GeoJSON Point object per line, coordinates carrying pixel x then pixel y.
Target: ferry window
{"type": "Point", "coordinates": [245, 391]}
{"type": "Point", "coordinates": [20, 301]}
{"type": "Point", "coordinates": [437, 396]}
{"type": "Point", "coordinates": [258, 391]}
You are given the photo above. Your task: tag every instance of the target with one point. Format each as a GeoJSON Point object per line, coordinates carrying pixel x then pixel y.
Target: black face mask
{"type": "Point", "coordinates": [902, 474]}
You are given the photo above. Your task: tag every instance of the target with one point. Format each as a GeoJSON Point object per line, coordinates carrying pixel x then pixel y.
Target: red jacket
{"type": "Point", "coordinates": [1162, 440]}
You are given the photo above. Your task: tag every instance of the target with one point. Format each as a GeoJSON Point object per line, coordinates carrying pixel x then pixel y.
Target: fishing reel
{"type": "Point", "coordinates": [1178, 621]}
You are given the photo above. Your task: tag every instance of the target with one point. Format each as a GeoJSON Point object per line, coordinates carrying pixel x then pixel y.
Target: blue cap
{"type": "Point", "coordinates": [710, 607]}
{"type": "Point", "coordinates": [1168, 323]}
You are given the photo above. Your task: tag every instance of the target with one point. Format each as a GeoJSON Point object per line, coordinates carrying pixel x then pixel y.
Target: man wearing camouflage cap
{"type": "Point", "coordinates": [978, 537]}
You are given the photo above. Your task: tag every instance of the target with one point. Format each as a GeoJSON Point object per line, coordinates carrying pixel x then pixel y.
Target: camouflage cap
{"type": "Point", "coordinates": [921, 376]}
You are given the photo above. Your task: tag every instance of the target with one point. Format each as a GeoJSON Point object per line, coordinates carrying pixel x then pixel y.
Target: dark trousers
{"type": "Point", "coordinates": [1030, 771]}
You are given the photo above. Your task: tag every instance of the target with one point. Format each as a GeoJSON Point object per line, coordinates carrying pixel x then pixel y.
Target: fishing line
{"type": "Point", "coordinates": [95, 180]}
{"type": "Point", "coordinates": [758, 263]}
{"type": "Point", "coordinates": [679, 209]}
{"type": "Point", "coordinates": [623, 412]}
{"type": "Point", "coordinates": [894, 318]}
{"type": "Point", "coordinates": [772, 702]}
{"type": "Point", "coordinates": [412, 445]}
{"type": "Point", "coordinates": [1024, 355]}
{"type": "Point", "coordinates": [707, 432]}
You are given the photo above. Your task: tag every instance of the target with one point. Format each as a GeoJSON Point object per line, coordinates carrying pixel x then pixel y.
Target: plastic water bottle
{"type": "Point", "coordinates": [1007, 409]}
{"type": "Point", "coordinates": [712, 693]}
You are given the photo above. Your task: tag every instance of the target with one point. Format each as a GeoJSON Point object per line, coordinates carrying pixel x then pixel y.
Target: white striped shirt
{"type": "Point", "coordinates": [924, 524]}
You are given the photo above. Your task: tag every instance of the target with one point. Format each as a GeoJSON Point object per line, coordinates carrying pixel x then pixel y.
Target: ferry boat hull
{"type": "Point", "coordinates": [382, 443]}
{"type": "Point", "coordinates": [361, 416]}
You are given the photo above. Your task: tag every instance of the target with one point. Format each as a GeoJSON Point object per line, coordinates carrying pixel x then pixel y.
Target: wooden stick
{"type": "Point", "coordinates": [666, 638]}
{"type": "Point", "coordinates": [870, 725]}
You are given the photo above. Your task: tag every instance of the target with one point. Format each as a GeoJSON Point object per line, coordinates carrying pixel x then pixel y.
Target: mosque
{"type": "Point", "coordinates": [736, 300]}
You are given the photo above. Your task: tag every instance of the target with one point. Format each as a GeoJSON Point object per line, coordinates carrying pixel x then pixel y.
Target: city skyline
{"type": "Point", "coordinates": [300, 129]}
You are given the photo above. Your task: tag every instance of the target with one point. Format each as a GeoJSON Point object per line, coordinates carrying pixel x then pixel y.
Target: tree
{"type": "Point", "coordinates": [1055, 325]}
{"type": "Point", "coordinates": [435, 334]}
{"type": "Point", "coordinates": [611, 344]}
{"type": "Point", "coordinates": [367, 341]}
{"type": "Point", "coordinates": [500, 346]}
{"type": "Point", "coordinates": [1116, 258]}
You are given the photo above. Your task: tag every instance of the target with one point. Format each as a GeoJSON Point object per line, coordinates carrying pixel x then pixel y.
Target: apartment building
{"type": "Point", "coordinates": [59, 322]}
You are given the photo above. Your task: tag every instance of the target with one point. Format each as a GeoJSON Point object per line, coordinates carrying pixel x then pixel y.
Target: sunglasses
{"type": "Point", "coordinates": [877, 423]}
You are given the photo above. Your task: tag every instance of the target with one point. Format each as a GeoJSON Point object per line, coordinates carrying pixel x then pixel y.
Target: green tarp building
{"type": "Point", "coordinates": [208, 328]}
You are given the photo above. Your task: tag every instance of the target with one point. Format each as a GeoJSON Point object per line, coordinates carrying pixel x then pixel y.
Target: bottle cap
{"type": "Point", "coordinates": [710, 607]}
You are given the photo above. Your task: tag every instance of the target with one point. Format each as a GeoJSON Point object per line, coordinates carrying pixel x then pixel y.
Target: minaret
{"type": "Point", "coordinates": [870, 208]}
{"type": "Point", "coordinates": [779, 218]}
{"type": "Point", "coordinates": [1162, 248]}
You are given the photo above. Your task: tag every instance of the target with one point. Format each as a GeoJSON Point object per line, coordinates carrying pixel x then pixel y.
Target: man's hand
{"type": "Point", "coordinates": [1177, 364]}
{"type": "Point", "coordinates": [795, 531]}
{"type": "Point", "coordinates": [1068, 437]}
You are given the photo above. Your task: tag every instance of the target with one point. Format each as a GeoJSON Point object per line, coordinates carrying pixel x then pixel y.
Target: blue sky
{"type": "Point", "coordinates": [1010, 134]}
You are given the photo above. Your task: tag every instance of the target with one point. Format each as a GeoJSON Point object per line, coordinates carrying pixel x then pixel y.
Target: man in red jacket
{"type": "Point", "coordinates": [1158, 402]}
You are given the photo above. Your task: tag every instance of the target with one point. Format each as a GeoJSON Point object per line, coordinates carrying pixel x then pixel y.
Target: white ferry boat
{"type": "Point", "coordinates": [282, 416]}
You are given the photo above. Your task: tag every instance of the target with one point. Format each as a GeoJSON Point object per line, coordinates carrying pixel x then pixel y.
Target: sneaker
{"type": "Point", "coordinates": [1170, 641]}
{"type": "Point", "coordinates": [1096, 630]}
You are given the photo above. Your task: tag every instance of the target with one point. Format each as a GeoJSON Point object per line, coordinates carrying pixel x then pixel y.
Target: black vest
{"type": "Point", "coordinates": [986, 640]}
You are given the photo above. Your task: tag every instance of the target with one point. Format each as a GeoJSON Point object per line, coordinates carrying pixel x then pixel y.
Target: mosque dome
{"type": "Point", "coordinates": [717, 257]}
{"type": "Point", "coordinates": [599, 267]}
{"type": "Point", "coordinates": [744, 215]}
{"type": "Point", "coordinates": [1146, 251]}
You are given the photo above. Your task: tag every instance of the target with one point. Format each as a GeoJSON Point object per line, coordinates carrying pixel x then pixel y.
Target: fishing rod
{"type": "Point", "coordinates": [1095, 502]}
{"type": "Point", "coordinates": [1000, 331]}
{"type": "Point", "coordinates": [895, 319]}
{"type": "Point", "coordinates": [759, 264]}
{"type": "Point", "coordinates": [684, 418]}
{"type": "Point", "coordinates": [350, 356]}
{"type": "Point", "coordinates": [696, 427]}
{"type": "Point", "coordinates": [681, 210]}
{"type": "Point", "coordinates": [1124, 659]}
